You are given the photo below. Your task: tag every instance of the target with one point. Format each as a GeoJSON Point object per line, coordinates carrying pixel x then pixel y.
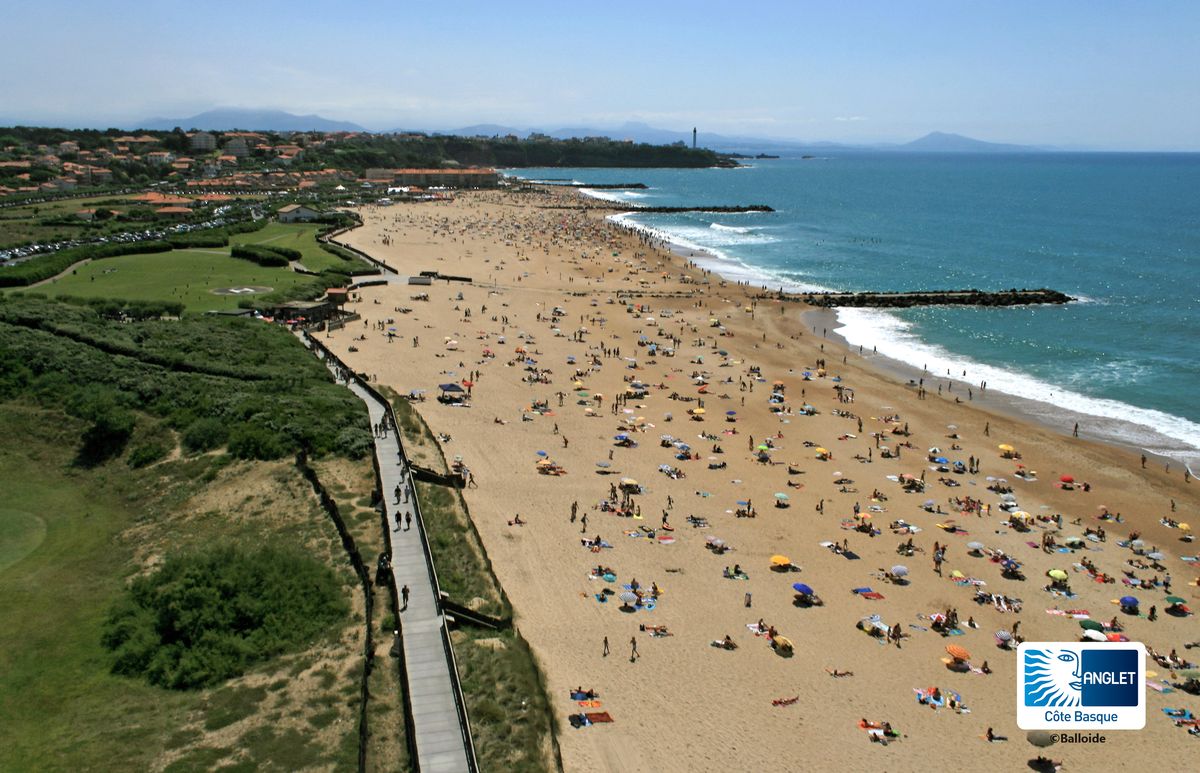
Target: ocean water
{"type": "Point", "coordinates": [1121, 232]}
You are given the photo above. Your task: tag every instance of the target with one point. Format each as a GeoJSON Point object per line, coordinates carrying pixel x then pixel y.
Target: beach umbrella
{"type": "Point", "coordinates": [1006, 447]}
{"type": "Point", "coordinates": [951, 426]}
{"type": "Point", "coordinates": [1155, 556]}
{"type": "Point", "coordinates": [1091, 625]}
{"type": "Point", "coordinates": [450, 388]}
{"type": "Point", "coordinates": [1056, 574]}
{"type": "Point", "coordinates": [1185, 527]}
{"type": "Point", "coordinates": [542, 453]}
{"type": "Point", "coordinates": [800, 587]}
{"type": "Point", "coordinates": [1138, 543]}
{"type": "Point", "coordinates": [762, 447]}
{"type": "Point", "coordinates": [629, 597]}
{"type": "Point", "coordinates": [1129, 601]}
{"type": "Point", "coordinates": [780, 560]}
{"type": "Point", "coordinates": [1003, 636]}
{"type": "Point", "coordinates": [935, 450]}
{"type": "Point", "coordinates": [1040, 738]}
{"type": "Point", "coordinates": [1067, 479]}
{"type": "Point", "coordinates": [731, 413]}
{"type": "Point", "coordinates": [822, 451]}
{"type": "Point", "coordinates": [975, 545]}
{"type": "Point", "coordinates": [782, 497]}
{"type": "Point", "coordinates": [1094, 635]}
{"type": "Point", "coordinates": [957, 652]}
{"type": "Point", "coordinates": [900, 570]}
{"type": "Point", "coordinates": [941, 460]}
{"type": "Point", "coordinates": [1175, 600]}
{"type": "Point", "coordinates": [1116, 637]}
{"type": "Point", "coordinates": [628, 482]}
{"type": "Point", "coordinates": [544, 463]}
{"type": "Point", "coordinates": [604, 465]}
{"type": "Point", "coordinates": [698, 411]}
{"type": "Point", "coordinates": [742, 502]}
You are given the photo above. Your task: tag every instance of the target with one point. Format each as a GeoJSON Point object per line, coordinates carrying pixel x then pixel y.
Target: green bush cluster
{"type": "Point", "coordinates": [214, 237]}
{"type": "Point", "coordinates": [268, 257]}
{"type": "Point", "coordinates": [123, 308]}
{"type": "Point", "coordinates": [45, 266]}
{"type": "Point", "coordinates": [210, 615]}
{"type": "Point", "coordinates": [215, 380]}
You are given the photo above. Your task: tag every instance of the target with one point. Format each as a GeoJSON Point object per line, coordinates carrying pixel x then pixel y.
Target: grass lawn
{"type": "Point", "coordinates": [81, 532]}
{"type": "Point", "coordinates": [182, 275]}
{"type": "Point", "coordinates": [296, 236]}
{"type": "Point", "coordinates": [54, 680]}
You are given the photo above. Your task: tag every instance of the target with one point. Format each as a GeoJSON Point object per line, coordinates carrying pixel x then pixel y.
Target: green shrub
{"type": "Point", "coordinates": [251, 442]}
{"type": "Point", "coordinates": [210, 615]}
{"type": "Point", "coordinates": [205, 435]}
{"type": "Point", "coordinates": [147, 454]}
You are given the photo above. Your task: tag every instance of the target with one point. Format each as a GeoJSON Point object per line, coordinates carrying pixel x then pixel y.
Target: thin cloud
{"type": "Point", "coordinates": [850, 118]}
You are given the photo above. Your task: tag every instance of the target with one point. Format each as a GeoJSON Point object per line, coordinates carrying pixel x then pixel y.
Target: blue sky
{"type": "Point", "coordinates": [1077, 74]}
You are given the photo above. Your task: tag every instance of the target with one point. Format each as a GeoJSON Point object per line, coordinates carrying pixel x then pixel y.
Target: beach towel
{"type": "Point", "coordinates": [1161, 687]}
{"type": "Point", "coordinates": [865, 725]}
{"type": "Point", "coordinates": [872, 595]}
{"type": "Point", "coordinates": [589, 704]}
{"type": "Point", "coordinates": [953, 632]}
{"type": "Point", "coordinates": [860, 590]}
{"type": "Point", "coordinates": [599, 716]}
{"type": "Point", "coordinates": [1174, 713]}
{"type": "Point", "coordinates": [917, 627]}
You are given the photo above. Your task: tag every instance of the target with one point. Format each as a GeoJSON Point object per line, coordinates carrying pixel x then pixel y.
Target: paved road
{"type": "Point", "coordinates": [439, 739]}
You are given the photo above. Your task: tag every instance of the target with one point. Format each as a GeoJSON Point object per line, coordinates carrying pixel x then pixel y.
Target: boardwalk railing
{"type": "Point", "coordinates": [459, 701]}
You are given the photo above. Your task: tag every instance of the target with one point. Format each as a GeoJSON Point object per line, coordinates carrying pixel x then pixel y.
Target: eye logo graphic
{"type": "Point", "coordinates": [1053, 678]}
{"type": "Point", "coordinates": [1081, 686]}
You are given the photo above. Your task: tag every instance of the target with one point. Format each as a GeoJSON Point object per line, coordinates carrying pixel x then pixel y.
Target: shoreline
{"type": "Point", "coordinates": [1053, 416]}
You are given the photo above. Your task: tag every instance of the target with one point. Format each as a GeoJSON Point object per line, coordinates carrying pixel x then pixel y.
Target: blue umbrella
{"type": "Point", "coordinates": [451, 388]}
{"type": "Point", "coordinates": [731, 413]}
{"type": "Point", "coordinates": [940, 459]}
{"type": "Point", "coordinates": [542, 453]}
{"type": "Point", "coordinates": [1128, 601]}
{"type": "Point", "coordinates": [743, 502]}
{"type": "Point", "coordinates": [604, 465]}
{"type": "Point", "coordinates": [800, 587]}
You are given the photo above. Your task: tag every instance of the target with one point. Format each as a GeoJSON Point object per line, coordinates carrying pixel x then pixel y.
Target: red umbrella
{"type": "Point", "coordinates": [1067, 479]}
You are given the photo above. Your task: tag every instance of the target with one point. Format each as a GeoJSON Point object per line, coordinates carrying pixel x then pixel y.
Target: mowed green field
{"type": "Point", "coordinates": [296, 236]}
{"type": "Point", "coordinates": [178, 275]}
{"type": "Point", "coordinates": [189, 275]}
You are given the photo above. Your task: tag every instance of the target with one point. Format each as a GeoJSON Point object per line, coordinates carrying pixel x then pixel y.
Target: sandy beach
{"type": "Point", "coordinates": [569, 310]}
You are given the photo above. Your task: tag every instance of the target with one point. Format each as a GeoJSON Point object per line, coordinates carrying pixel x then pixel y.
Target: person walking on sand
{"type": "Point", "coordinates": [633, 653]}
{"type": "Point", "coordinates": [605, 647]}
{"type": "Point", "coordinates": [583, 524]}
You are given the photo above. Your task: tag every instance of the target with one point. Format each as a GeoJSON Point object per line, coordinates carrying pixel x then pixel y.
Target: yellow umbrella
{"type": "Point", "coordinates": [822, 451]}
{"type": "Point", "coordinates": [698, 411]}
{"type": "Point", "coordinates": [1021, 515]}
{"type": "Point", "coordinates": [578, 383]}
{"type": "Point", "coordinates": [780, 560]}
{"type": "Point", "coordinates": [1184, 527]}
{"type": "Point", "coordinates": [628, 482]}
{"type": "Point", "coordinates": [1006, 447]}
{"type": "Point", "coordinates": [1056, 574]}
{"type": "Point", "coordinates": [544, 463]}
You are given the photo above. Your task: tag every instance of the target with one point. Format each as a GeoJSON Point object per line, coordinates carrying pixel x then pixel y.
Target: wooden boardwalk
{"type": "Point", "coordinates": [441, 744]}
{"type": "Point", "coordinates": [438, 718]}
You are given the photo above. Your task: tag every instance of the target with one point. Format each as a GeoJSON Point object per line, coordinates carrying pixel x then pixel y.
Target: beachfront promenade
{"type": "Point", "coordinates": [439, 725]}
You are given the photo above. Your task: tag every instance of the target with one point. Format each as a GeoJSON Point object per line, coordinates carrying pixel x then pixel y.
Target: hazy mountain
{"type": "Point", "coordinates": [252, 120]}
{"type": "Point", "coordinates": [941, 142]}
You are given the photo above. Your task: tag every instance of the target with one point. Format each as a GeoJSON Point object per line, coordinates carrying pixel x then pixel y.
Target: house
{"type": "Point", "coordinates": [297, 213]}
{"type": "Point", "coordinates": [173, 212]}
{"type": "Point", "coordinates": [203, 142]}
{"type": "Point", "coordinates": [160, 157]}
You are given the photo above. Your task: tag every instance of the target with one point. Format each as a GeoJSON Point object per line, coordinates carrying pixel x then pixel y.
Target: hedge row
{"type": "Point", "coordinates": [43, 267]}
{"type": "Point", "coordinates": [263, 256]}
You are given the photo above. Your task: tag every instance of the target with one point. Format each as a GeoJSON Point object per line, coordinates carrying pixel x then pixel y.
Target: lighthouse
{"type": "Point", "coordinates": [693, 138]}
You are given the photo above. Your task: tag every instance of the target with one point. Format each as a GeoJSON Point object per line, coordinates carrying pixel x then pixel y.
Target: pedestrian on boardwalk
{"type": "Point", "coordinates": [404, 597]}
{"type": "Point", "coordinates": [397, 492]}
{"type": "Point", "coordinates": [407, 521]}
